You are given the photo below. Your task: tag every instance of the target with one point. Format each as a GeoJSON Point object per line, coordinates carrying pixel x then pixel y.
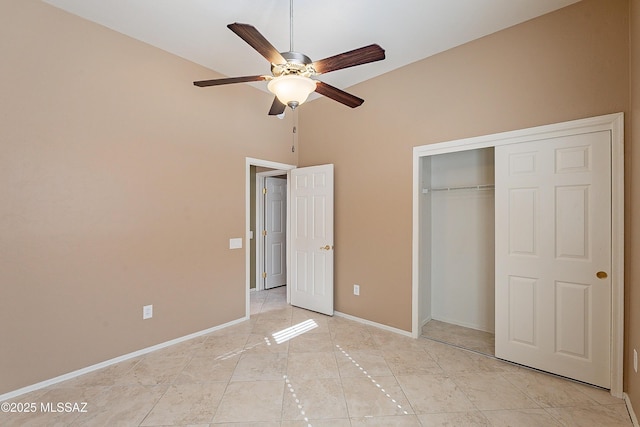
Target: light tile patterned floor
{"type": "Point", "coordinates": [328, 371]}
{"type": "Point", "coordinates": [459, 336]}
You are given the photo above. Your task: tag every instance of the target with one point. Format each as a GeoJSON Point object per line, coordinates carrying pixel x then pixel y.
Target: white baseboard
{"type": "Point", "coordinates": [115, 360]}
{"type": "Point", "coordinates": [370, 323]}
{"type": "Point", "coordinates": [634, 419]}
{"type": "Point", "coordinates": [475, 326]}
{"type": "Point", "coordinates": [424, 322]}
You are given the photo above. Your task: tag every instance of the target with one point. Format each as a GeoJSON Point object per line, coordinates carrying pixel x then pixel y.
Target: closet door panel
{"type": "Point", "coordinates": [523, 215]}
{"type": "Point", "coordinates": [573, 323]}
{"type": "Point", "coordinates": [572, 221]}
{"type": "Point", "coordinates": [522, 310]}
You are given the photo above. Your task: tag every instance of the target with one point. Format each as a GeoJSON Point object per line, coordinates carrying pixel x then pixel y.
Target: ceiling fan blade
{"type": "Point", "coordinates": [352, 58]}
{"type": "Point", "coordinates": [338, 95]}
{"type": "Point", "coordinates": [277, 107]}
{"type": "Point", "coordinates": [249, 34]}
{"type": "Point", "coordinates": [229, 80]}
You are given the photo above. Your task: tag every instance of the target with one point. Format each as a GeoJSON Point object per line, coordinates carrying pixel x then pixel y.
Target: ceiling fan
{"type": "Point", "coordinates": [291, 71]}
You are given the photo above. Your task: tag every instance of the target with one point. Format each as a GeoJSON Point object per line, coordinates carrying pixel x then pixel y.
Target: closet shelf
{"type": "Point", "coordinates": [465, 187]}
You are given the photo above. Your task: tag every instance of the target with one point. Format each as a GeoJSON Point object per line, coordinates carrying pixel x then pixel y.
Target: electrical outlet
{"type": "Point", "coordinates": [356, 289]}
{"type": "Point", "coordinates": [635, 360]}
{"type": "Point", "coordinates": [147, 312]}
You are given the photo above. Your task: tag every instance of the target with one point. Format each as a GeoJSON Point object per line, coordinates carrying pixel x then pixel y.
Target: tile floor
{"type": "Point", "coordinates": [288, 367]}
{"type": "Point", "coordinates": [459, 336]}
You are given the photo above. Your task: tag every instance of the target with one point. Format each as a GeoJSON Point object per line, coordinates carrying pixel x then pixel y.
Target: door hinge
{"type": "Point", "coordinates": [264, 232]}
{"type": "Point", "coordinates": [264, 190]}
{"type": "Point", "coordinates": [264, 275]}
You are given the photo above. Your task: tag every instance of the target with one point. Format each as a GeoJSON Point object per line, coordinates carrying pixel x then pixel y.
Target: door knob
{"type": "Point", "coordinates": [325, 248]}
{"type": "Point", "coordinates": [602, 275]}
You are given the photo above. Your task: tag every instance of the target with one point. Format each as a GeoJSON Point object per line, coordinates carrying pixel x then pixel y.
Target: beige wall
{"type": "Point", "coordinates": [632, 308]}
{"type": "Point", "coordinates": [566, 65]}
{"type": "Point", "coordinates": [120, 185]}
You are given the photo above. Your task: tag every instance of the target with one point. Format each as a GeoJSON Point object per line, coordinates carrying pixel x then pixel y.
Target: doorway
{"type": "Point", "coordinates": [459, 192]}
{"type": "Point", "coordinates": [423, 266]}
{"type": "Point", "coordinates": [310, 216]}
{"type": "Point", "coordinates": [253, 168]}
{"type": "Point", "coordinates": [271, 229]}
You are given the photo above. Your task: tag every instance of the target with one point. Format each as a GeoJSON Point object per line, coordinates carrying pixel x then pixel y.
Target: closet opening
{"type": "Point", "coordinates": [458, 223]}
{"type": "Point", "coordinates": [534, 249]}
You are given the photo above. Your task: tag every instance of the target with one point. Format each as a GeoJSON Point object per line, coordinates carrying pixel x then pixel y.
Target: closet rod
{"type": "Point", "coordinates": [465, 187]}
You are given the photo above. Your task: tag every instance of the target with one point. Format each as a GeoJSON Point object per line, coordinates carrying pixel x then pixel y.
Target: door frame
{"type": "Point", "coordinates": [260, 211]}
{"type": "Point", "coordinates": [613, 123]}
{"type": "Point", "coordinates": [278, 169]}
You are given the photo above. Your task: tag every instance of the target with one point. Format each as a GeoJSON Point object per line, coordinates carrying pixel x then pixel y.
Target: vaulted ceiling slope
{"type": "Point", "coordinates": [409, 30]}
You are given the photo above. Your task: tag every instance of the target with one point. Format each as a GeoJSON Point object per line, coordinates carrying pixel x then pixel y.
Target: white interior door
{"type": "Point", "coordinates": [553, 255]}
{"type": "Point", "coordinates": [275, 232]}
{"type": "Point", "coordinates": [311, 238]}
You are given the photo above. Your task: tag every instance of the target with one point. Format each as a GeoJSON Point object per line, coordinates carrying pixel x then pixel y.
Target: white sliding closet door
{"type": "Point", "coordinates": [553, 255]}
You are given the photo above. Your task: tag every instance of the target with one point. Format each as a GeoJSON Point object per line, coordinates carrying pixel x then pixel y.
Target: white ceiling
{"type": "Point", "coordinates": [409, 30]}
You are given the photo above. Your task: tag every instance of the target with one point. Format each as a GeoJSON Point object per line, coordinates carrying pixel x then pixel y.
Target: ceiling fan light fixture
{"type": "Point", "coordinates": [292, 90]}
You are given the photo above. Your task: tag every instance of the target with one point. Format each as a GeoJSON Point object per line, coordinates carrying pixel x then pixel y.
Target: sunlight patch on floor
{"type": "Point", "coordinates": [293, 331]}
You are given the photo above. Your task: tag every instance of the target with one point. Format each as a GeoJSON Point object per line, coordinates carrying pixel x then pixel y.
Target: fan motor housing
{"type": "Point", "coordinates": [297, 63]}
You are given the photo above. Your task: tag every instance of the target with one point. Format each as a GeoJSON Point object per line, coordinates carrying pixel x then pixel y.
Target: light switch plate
{"type": "Point", "coordinates": [235, 243]}
{"type": "Point", "coordinates": [147, 312]}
